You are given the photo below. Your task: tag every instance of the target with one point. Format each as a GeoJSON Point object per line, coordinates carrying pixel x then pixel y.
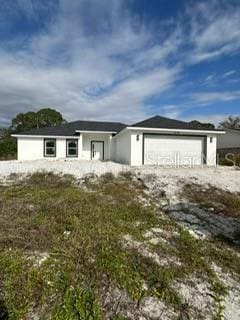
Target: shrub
{"type": "Point", "coordinates": [234, 160]}
{"type": "Point", "coordinates": [237, 160]}
{"type": "Point", "coordinates": [8, 148]}
{"type": "Point", "coordinates": [225, 162]}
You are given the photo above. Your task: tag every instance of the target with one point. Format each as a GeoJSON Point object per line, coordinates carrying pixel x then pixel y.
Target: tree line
{"type": "Point", "coordinates": [24, 122]}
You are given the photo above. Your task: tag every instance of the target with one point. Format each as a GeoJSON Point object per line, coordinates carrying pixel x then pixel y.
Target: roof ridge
{"type": "Point", "coordinates": [160, 117]}
{"type": "Point", "coordinates": [93, 121]}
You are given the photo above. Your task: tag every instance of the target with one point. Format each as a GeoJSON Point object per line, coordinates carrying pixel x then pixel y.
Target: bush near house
{"type": "Point", "coordinates": [233, 160]}
{"type": "Point", "coordinates": [8, 148]}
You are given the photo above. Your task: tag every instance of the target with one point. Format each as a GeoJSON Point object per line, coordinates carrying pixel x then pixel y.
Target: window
{"type": "Point", "coordinates": [49, 147]}
{"type": "Point", "coordinates": [72, 148]}
{"type": "Point", "coordinates": [211, 139]}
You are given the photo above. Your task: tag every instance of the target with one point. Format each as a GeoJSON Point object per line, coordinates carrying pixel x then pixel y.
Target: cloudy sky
{"type": "Point", "coordinates": [120, 59]}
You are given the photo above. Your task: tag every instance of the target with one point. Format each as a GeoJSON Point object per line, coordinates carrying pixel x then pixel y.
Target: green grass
{"type": "Point", "coordinates": [80, 229]}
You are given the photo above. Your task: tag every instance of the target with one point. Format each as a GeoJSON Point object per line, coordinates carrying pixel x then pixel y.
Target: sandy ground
{"type": "Point", "coordinates": [76, 168]}
{"type": "Point", "coordinates": [199, 223]}
{"type": "Point", "coordinates": [226, 178]}
{"type": "Point", "coordinates": [221, 177]}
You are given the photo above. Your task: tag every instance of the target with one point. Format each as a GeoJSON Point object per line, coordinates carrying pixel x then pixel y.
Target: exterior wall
{"type": "Point", "coordinates": [113, 149]}
{"type": "Point", "coordinates": [221, 153]}
{"type": "Point", "coordinates": [30, 148]}
{"type": "Point", "coordinates": [136, 148]}
{"type": "Point", "coordinates": [123, 147]}
{"type": "Point", "coordinates": [61, 148]}
{"type": "Point", "coordinates": [211, 151]}
{"type": "Point", "coordinates": [33, 149]}
{"type": "Point", "coordinates": [85, 153]}
{"type": "Point", "coordinates": [229, 140]}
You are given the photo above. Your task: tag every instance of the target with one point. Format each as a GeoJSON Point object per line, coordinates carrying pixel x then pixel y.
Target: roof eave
{"type": "Point", "coordinates": [95, 131]}
{"type": "Point", "coordinates": [43, 136]}
{"type": "Point", "coordinates": [176, 130]}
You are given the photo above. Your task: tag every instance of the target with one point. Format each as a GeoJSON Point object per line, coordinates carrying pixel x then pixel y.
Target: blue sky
{"type": "Point", "coordinates": [121, 60]}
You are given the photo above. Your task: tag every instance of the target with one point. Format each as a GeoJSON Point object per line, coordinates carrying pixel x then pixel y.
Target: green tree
{"type": "Point", "coordinates": [24, 122]}
{"type": "Point", "coordinates": [30, 120]}
{"type": "Point", "coordinates": [8, 148]}
{"type": "Point", "coordinates": [231, 123]}
{"type": "Point", "coordinates": [200, 125]}
{"type": "Point", "coordinates": [49, 117]}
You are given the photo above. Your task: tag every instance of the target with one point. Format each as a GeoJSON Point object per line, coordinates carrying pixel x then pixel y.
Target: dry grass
{"type": "Point", "coordinates": [220, 200]}
{"type": "Point", "coordinates": [61, 251]}
{"type": "Point", "coordinates": [82, 233]}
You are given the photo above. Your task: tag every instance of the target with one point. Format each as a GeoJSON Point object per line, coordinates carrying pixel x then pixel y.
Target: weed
{"type": "Point", "coordinates": [220, 292]}
{"type": "Point", "coordinates": [61, 244]}
{"type": "Point", "coordinates": [49, 179]}
{"type": "Point", "coordinates": [222, 201]}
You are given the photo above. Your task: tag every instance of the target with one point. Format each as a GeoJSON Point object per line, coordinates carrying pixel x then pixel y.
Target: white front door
{"type": "Point", "coordinates": [97, 150]}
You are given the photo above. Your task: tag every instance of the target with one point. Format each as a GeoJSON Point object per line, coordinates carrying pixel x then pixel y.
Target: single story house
{"type": "Point", "coordinates": [229, 142]}
{"type": "Point", "coordinates": [157, 140]}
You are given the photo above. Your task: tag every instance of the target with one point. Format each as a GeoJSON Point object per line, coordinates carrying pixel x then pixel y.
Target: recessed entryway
{"type": "Point", "coordinates": [97, 150]}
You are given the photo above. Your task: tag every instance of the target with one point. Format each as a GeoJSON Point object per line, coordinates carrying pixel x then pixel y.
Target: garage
{"type": "Point", "coordinates": [159, 149]}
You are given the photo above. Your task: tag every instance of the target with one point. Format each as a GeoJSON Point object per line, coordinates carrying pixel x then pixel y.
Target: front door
{"type": "Point", "coordinates": [97, 150]}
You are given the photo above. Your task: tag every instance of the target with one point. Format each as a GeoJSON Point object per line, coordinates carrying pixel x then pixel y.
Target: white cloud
{"type": "Point", "coordinates": [212, 97]}
{"type": "Point", "coordinates": [86, 74]}
{"type": "Point", "coordinates": [215, 30]}
{"type": "Point", "coordinates": [172, 111]}
{"type": "Point", "coordinates": [110, 68]}
{"type": "Point", "coordinates": [229, 74]}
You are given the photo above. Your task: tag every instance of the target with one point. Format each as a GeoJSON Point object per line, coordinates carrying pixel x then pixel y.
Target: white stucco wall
{"type": "Point", "coordinates": [211, 150]}
{"type": "Point", "coordinates": [123, 147]}
{"type": "Point", "coordinates": [113, 149]}
{"type": "Point", "coordinates": [229, 140]}
{"type": "Point", "coordinates": [61, 148]}
{"type": "Point", "coordinates": [30, 148]}
{"type": "Point", "coordinates": [33, 148]}
{"type": "Point", "coordinates": [136, 148]}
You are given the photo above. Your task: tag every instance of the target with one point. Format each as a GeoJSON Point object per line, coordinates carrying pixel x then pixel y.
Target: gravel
{"type": "Point", "coordinates": [73, 167]}
{"type": "Point", "coordinates": [226, 178]}
{"type": "Point", "coordinates": [170, 181]}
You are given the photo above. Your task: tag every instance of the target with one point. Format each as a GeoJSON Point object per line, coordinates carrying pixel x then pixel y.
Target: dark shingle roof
{"type": "Point", "coordinates": [69, 129]}
{"type": "Point", "coordinates": [166, 123]}
{"type": "Point", "coordinates": [233, 129]}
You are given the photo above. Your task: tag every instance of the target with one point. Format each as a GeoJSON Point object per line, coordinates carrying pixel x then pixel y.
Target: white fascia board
{"type": "Point", "coordinates": [173, 130]}
{"type": "Point", "coordinates": [46, 136]}
{"type": "Point", "coordinates": [89, 131]}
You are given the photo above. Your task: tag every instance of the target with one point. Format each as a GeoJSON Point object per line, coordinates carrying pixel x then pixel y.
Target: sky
{"type": "Point", "coordinates": [120, 60]}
